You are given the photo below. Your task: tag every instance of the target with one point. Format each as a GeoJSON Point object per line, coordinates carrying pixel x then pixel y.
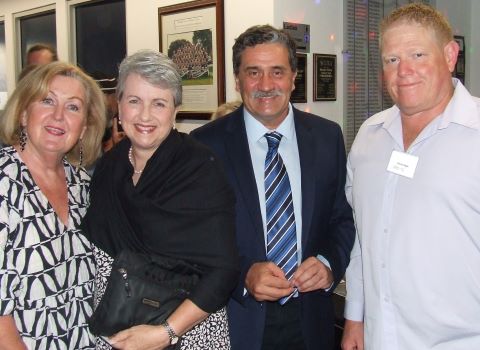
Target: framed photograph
{"type": "Point", "coordinates": [299, 95]}
{"type": "Point", "coordinates": [459, 71]}
{"type": "Point", "coordinates": [324, 77]}
{"type": "Point", "coordinates": [460, 41]}
{"type": "Point", "coordinates": [192, 35]}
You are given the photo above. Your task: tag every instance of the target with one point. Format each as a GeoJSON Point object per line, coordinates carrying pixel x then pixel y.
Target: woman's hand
{"type": "Point", "coordinates": [142, 337]}
{"type": "Point", "coordinates": [145, 337]}
{"type": "Point", "coordinates": [9, 337]}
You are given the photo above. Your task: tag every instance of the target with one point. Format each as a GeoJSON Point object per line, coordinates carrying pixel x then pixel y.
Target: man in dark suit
{"type": "Point", "coordinates": [282, 303]}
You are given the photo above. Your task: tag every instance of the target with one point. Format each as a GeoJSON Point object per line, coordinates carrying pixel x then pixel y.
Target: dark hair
{"type": "Point", "coordinates": [40, 47]}
{"type": "Point", "coordinates": [263, 34]}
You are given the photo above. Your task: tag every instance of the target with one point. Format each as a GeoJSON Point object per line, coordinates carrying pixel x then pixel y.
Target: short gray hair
{"type": "Point", "coordinates": [154, 67]}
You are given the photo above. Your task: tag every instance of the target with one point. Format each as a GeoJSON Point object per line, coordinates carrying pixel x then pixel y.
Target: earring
{"type": "Point", "coordinates": [80, 153]}
{"type": "Point", "coordinates": [23, 138]}
{"type": "Point", "coordinates": [174, 126]}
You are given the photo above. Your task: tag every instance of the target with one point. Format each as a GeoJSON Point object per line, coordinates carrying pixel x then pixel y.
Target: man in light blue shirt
{"type": "Point", "coordinates": [414, 185]}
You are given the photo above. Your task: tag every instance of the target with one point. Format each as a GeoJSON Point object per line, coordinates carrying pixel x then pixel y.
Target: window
{"type": "Point", "coordinates": [365, 93]}
{"type": "Point", "coordinates": [3, 73]}
{"type": "Point", "coordinates": [36, 28]}
{"type": "Point", "coordinates": [100, 36]}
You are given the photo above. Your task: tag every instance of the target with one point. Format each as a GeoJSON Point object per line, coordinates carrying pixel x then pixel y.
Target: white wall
{"type": "Point", "coordinates": [8, 9]}
{"type": "Point", "coordinates": [326, 30]}
{"type": "Point", "coordinates": [473, 50]}
{"type": "Point", "coordinates": [461, 15]}
{"type": "Point", "coordinates": [142, 32]}
{"type": "Point", "coordinates": [323, 16]}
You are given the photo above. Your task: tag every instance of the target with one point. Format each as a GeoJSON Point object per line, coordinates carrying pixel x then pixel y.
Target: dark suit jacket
{"type": "Point", "coordinates": [327, 227]}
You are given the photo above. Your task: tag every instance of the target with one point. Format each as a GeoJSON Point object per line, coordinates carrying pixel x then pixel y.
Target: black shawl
{"type": "Point", "coordinates": [182, 206]}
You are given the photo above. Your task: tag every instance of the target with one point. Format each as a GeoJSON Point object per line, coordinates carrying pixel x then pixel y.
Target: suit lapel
{"type": "Point", "coordinates": [307, 160]}
{"type": "Point", "coordinates": [236, 145]}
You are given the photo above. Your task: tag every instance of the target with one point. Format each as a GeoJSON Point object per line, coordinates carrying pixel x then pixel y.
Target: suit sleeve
{"type": "Point", "coordinates": [341, 228]}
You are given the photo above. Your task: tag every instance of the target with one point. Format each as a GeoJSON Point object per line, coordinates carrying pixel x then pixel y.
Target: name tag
{"type": "Point", "coordinates": [403, 164]}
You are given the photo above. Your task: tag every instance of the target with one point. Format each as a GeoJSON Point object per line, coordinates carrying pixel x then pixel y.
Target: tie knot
{"type": "Point", "coordinates": [273, 139]}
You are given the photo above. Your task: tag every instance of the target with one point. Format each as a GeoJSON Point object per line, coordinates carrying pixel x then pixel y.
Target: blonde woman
{"type": "Point", "coordinates": [53, 124]}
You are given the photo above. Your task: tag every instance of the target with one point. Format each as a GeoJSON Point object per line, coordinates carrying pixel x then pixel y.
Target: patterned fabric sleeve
{"type": "Point", "coordinates": [9, 277]}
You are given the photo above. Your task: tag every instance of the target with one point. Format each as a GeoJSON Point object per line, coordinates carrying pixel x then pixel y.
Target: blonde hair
{"type": "Point", "coordinates": [422, 14]}
{"type": "Point", "coordinates": [225, 109]}
{"type": "Point", "coordinates": [35, 86]}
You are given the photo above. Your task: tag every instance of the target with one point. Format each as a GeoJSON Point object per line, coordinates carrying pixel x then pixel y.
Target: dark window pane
{"type": "Point", "coordinates": [3, 73]}
{"type": "Point", "coordinates": [39, 28]}
{"type": "Point", "coordinates": [101, 36]}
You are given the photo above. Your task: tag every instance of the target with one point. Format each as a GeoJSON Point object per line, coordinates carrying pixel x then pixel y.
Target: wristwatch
{"type": "Point", "coordinates": [171, 333]}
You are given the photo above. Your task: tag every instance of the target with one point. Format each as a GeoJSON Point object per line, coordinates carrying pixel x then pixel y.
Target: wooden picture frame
{"type": "Point", "coordinates": [459, 71]}
{"type": "Point", "coordinates": [324, 77]}
{"type": "Point", "coordinates": [299, 95]}
{"type": "Point", "coordinates": [192, 35]}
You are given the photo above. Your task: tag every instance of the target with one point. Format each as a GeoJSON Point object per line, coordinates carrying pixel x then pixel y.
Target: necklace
{"type": "Point", "coordinates": [130, 158]}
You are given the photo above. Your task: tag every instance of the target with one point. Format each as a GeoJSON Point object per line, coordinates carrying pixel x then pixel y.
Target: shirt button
{"type": "Point", "coordinates": [383, 265]}
{"type": "Point", "coordinates": [386, 299]}
{"type": "Point", "coordinates": [385, 230]}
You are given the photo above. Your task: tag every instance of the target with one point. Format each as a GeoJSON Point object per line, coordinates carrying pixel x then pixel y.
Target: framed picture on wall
{"type": "Point", "coordinates": [324, 77]}
{"type": "Point", "coordinates": [299, 95]}
{"type": "Point", "coordinates": [459, 71]}
{"type": "Point", "coordinates": [192, 35]}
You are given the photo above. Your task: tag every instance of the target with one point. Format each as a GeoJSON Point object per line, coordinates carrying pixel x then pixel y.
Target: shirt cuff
{"type": "Point", "coordinates": [327, 264]}
{"type": "Point", "coordinates": [353, 311]}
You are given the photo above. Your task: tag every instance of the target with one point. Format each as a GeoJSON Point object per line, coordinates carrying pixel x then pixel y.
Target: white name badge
{"type": "Point", "coordinates": [403, 164]}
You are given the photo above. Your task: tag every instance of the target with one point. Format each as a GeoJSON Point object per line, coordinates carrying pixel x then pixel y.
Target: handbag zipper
{"type": "Point", "coordinates": [123, 273]}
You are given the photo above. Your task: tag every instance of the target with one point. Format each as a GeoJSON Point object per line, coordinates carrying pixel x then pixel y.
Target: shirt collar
{"type": "Point", "coordinates": [256, 130]}
{"type": "Point", "coordinates": [462, 109]}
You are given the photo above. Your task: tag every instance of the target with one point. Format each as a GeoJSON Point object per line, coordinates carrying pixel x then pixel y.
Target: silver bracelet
{"type": "Point", "coordinates": [171, 333]}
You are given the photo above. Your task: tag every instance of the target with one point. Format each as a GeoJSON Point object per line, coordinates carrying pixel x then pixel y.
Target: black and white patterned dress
{"type": "Point", "coordinates": [211, 334]}
{"type": "Point", "coordinates": [46, 269]}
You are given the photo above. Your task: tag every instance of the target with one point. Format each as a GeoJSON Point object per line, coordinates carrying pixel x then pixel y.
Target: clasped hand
{"type": "Point", "coordinates": [265, 281]}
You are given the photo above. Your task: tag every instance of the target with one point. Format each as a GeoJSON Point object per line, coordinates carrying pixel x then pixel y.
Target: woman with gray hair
{"type": "Point", "coordinates": [160, 192]}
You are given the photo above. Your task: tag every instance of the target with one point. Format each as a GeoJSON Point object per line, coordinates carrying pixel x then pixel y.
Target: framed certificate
{"type": "Point", "coordinates": [299, 95]}
{"type": "Point", "coordinates": [324, 77]}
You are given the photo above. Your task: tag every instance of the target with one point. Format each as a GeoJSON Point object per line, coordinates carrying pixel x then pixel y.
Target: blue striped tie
{"type": "Point", "coordinates": [281, 230]}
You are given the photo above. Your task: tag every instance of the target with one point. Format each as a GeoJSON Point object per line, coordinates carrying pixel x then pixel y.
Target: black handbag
{"type": "Point", "coordinates": [142, 289]}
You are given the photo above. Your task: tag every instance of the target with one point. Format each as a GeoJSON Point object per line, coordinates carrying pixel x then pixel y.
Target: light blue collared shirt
{"type": "Point", "coordinates": [413, 275]}
{"type": "Point", "coordinates": [288, 149]}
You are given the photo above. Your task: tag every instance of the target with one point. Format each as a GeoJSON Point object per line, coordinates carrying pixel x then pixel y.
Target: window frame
{"type": "Point", "coordinates": [17, 17]}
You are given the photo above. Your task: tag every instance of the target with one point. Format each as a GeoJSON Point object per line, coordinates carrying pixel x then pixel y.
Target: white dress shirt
{"type": "Point", "coordinates": [416, 284]}
{"type": "Point", "coordinates": [288, 149]}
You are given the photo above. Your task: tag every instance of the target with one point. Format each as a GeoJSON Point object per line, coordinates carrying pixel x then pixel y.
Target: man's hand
{"type": "Point", "coordinates": [311, 275]}
{"type": "Point", "coordinates": [352, 335]}
{"type": "Point", "coordinates": [266, 281]}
